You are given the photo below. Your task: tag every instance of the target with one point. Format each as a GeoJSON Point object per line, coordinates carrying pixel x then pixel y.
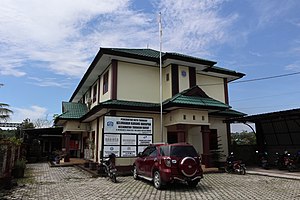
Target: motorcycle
{"type": "Point", "coordinates": [234, 166]}
{"type": "Point", "coordinates": [294, 163]}
{"type": "Point", "coordinates": [263, 160]}
{"type": "Point", "coordinates": [108, 164]}
{"type": "Point", "coordinates": [282, 161]}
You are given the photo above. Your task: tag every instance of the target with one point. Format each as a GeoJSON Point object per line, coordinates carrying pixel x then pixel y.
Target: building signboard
{"type": "Point", "coordinates": [126, 136]}
{"type": "Point", "coordinates": [127, 125]}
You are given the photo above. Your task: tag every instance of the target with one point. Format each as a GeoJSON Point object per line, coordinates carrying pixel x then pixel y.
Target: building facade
{"type": "Point", "coordinates": [116, 106]}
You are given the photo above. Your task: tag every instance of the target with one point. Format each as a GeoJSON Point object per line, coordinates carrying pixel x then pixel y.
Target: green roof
{"type": "Point", "coordinates": [73, 110]}
{"type": "Point", "coordinates": [229, 113]}
{"type": "Point", "coordinates": [154, 55]}
{"type": "Point", "coordinates": [141, 52]}
{"type": "Point", "coordinates": [131, 103]}
{"type": "Point", "coordinates": [195, 97]}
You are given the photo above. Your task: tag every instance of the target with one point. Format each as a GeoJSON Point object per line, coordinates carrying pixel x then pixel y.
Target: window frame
{"type": "Point", "coordinates": [105, 82]}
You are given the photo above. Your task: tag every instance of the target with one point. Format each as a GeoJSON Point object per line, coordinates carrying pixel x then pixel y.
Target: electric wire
{"type": "Point", "coordinates": [255, 79]}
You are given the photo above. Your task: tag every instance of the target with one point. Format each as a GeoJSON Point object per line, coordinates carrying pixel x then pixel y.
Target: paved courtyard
{"type": "Point", "coordinates": [44, 182]}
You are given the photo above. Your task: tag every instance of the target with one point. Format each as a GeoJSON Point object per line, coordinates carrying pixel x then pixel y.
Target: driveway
{"type": "Point", "coordinates": [44, 182]}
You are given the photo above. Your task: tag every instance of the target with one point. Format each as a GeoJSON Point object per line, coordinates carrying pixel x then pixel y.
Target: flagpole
{"type": "Point", "coordinates": [160, 78]}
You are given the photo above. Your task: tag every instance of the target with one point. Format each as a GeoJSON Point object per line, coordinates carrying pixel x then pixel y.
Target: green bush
{"type": "Point", "coordinates": [20, 163]}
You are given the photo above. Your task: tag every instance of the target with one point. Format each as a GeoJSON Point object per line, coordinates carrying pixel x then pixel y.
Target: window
{"type": "Point", "coordinates": [153, 153]}
{"type": "Point", "coordinates": [94, 93]}
{"type": "Point", "coordinates": [148, 151]}
{"type": "Point", "coordinates": [105, 82]}
{"type": "Point", "coordinates": [167, 77]}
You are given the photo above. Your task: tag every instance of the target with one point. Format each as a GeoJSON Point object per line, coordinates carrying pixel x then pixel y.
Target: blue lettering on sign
{"type": "Point", "coordinates": [110, 123]}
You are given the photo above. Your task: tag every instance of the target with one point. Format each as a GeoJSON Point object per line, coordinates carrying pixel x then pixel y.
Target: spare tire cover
{"type": "Point", "coordinates": [188, 166]}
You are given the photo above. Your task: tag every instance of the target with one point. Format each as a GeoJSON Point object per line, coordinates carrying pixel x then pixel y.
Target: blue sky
{"type": "Point", "coordinates": [45, 47]}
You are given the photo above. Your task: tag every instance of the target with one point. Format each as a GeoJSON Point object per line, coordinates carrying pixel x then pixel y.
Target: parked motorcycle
{"type": "Point", "coordinates": [109, 167]}
{"type": "Point", "coordinates": [234, 166]}
{"type": "Point", "coordinates": [294, 163]}
{"type": "Point", "coordinates": [282, 161]}
{"type": "Point", "coordinates": [263, 160]}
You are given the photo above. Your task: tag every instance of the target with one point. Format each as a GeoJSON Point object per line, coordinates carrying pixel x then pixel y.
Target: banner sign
{"type": "Point", "coordinates": [128, 125]}
{"type": "Point", "coordinates": [126, 136]}
{"type": "Point", "coordinates": [128, 151]}
{"type": "Point", "coordinates": [111, 139]}
{"type": "Point", "coordinates": [111, 149]}
{"type": "Point", "coordinates": [128, 140]}
{"type": "Point", "coordinates": [144, 139]}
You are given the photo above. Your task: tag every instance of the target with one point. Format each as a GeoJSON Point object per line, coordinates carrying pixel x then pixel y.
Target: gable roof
{"type": "Point", "coordinates": [153, 55]}
{"type": "Point", "coordinates": [73, 110]}
{"type": "Point", "coordinates": [194, 97]}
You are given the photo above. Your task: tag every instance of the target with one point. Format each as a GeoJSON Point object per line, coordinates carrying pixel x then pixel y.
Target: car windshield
{"type": "Point", "coordinates": [178, 151]}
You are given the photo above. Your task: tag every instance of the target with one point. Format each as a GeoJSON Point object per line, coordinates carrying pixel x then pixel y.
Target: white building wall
{"type": "Point", "coordinates": [138, 82]}
{"type": "Point", "coordinates": [212, 86]}
{"type": "Point", "coordinates": [183, 78]}
{"type": "Point", "coordinates": [217, 123]}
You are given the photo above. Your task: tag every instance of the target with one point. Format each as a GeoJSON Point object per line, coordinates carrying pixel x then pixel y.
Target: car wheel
{"type": "Point", "coordinates": [157, 180]}
{"type": "Point", "coordinates": [193, 184]}
{"type": "Point", "coordinates": [135, 175]}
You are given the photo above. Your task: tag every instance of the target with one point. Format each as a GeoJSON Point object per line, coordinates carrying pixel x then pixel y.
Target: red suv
{"type": "Point", "coordinates": [168, 163]}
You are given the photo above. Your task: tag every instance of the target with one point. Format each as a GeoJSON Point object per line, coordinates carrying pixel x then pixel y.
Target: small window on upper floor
{"type": "Point", "coordinates": [105, 82]}
{"type": "Point", "coordinates": [94, 93]}
{"type": "Point", "coordinates": [167, 77]}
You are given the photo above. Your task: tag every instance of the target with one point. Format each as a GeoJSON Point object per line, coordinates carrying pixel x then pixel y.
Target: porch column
{"type": "Point", "coordinates": [206, 152]}
{"type": "Point", "coordinates": [67, 147]}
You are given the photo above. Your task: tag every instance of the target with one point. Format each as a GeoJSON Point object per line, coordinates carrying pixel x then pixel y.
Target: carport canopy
{"type": "Point", "coordinates": [280, 128]}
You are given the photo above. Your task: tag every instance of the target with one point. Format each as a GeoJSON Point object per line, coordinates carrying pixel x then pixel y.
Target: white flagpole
{"type": "Point", "coordinates": [160, 78]}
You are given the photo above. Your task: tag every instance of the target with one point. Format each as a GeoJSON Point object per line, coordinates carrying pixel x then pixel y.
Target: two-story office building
{"type": "Point", "coordinates": [116, 106]}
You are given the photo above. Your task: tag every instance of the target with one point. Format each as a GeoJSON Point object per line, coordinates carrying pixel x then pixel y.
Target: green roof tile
{"type": "Point", "coordinates": [195, 97]}
{"type": "Point", "coordinates": [229, 112]}
{"type": "Point", "coordinates": [141, 52]}
{"type": "Point", "coordinates": [73, 110]}
{"type": "Point", "coordinates": [130, 103]}
{"type": "Point", "coordinates": [153, 54]}
{"type": "Point", "coordinates": [197, 101]}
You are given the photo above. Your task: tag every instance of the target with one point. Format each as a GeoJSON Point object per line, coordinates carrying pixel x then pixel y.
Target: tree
{"type": "Point", "coordinates": [4, 111]}
{"type": "Point", "coordinates": [26, 124]}
{"type": "Point", "coordinates": [243, 138]}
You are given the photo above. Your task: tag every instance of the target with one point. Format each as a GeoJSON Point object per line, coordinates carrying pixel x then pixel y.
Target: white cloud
{"type": "Point", "coordinates": [50, 82]}
{"type": "Point", "coordinates": [269, 11]}
{"type": "Point", "coordinates": [293, 66]}
{"type": "Point", "coordinates": [66, 34]}
{"type": "Point", "coordinates": [194, 26]}
{"type": "Point", "coordinates": [33, 113]}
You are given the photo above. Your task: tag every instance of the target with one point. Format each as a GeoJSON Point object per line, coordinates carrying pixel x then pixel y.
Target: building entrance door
{"type": "Point", "coordinates": [174, 137]}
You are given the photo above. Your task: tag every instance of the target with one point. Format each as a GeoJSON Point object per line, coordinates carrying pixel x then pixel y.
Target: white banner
{"type": "Point", "coordinates": [128, 139]}
{"type": "Point", "coordinates": [144, 139]}
{"type": "Point", "coordinates": [111, 139]}
{"type": "Point", "coordinates": [127, 125]}
{"type": "Point", "coordinates": [128, 151]}
{"type": "Point", "coordinates": [111, 149]}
